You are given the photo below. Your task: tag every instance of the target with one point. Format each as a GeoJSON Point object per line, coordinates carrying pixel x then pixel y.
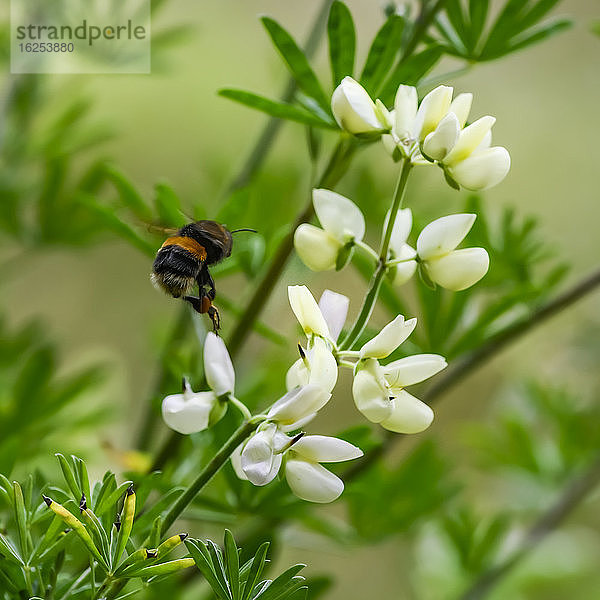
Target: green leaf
{"type": "Point", "coordinates": [538, 34]}
{"type": "Point", "coordinates": [342, 41]}
{"type": "Point", "coordinates": [411, 71]}
{"type": "Point", "coordinates": [129, 195]}
{"type": "Point", "coordinates": [69, 476]}
{"type": "Point", "coordinates": [82, 476]}
{"type": "Point", "coordinates": [110, 500]}
{"type": "Point", "coordinates": [168, 206]}
{"type": "Point", "coordinates": [108, 485]}
{"type": "Point", "coordinates": [258, 564]}
{"type": "Point", "coordinates": [296, 61]}
{"type": "Point", "coordinates": [456, 17]}
{"type": "Point", "coordinates": [274, 108]}
{"type": "Point", "coordinates": [8, 551]}
{"type": "Point", "coordinates": [199, 552]}
{"type": "Point", "coordinates": [232, 565]}
{"type": "Point", "coordinates": [384, 48]}
{"type": "Point", "coordinates": [20, 518]}
{"type": "Point", "coordinates": [478, 10]}
{"type": "Point", "coordinates": [284, 585]}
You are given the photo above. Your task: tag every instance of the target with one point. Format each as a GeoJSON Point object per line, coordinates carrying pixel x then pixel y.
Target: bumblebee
{"type": "Point", "coordinates": [183, 261]}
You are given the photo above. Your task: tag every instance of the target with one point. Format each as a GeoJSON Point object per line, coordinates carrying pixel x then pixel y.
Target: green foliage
{"type": "Point", "coordinates": [518, 24]}
{"type": "Point", "coordinates": [230, 581]}
{"type": "Point", "coordinates": [37, 406]}
{"type": "Point", "coordinates": [342, 41]}
{"type": "Point", "coordinates": [423, 473]}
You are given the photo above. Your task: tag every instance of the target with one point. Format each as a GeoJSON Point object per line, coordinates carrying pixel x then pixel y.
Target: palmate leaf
{"type": "Point", "coordinates": [229, 581]}
{"type": "Point", "coordinates": [342, 41]}
{"type": "Point", "coordinates": [519, 24]}
{"type": "Point", "coordinates": [274, 108]}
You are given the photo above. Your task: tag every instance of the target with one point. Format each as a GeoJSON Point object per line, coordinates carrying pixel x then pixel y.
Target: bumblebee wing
{"type": "Point", "coordinates": [160, 229]}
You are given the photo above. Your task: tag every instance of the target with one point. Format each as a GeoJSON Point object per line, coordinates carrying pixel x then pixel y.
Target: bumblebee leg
{"type": "Point", "coordinates": [195, 302]}
{"type": "Point", "coordinates": [204, 279]}
{"type": "Point", "coordinates": [213, 313]}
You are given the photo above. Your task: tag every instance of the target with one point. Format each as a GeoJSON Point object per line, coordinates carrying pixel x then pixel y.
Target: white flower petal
{"type": "Point", "coordinates": [297, 375]}
{"type": "Point", "coordinates": [188, 413]}
{"type": "Point", "coordinates": [461, 106]}
{"type": "Point", "coordinates": [459, 269]}
{"type": "Point", "coordinates": [322, 448]}
{"type": "Point", "coordinates": [404, 272]}
{"type": "Point", "coordinates": [353, 108]}
{"type": "Point", "coordinates": [299, 424]}
{"type": "Point", "coordinates": [482, 170]}
{"type": "Point", "coordinates": [298, 403]}
{"type": "Point", "coordinates": [323, 366]}
{"type": "Point", "coordinates": [312, 482]}
{"type": "Point", "coordinates": [338, 215]}
{"type": "Point", "coordinates": [317, 249]}
{"type": "Point", "coordinates": [440, 142]}
{"type": "Point", "coordinates": [236, 462]}
{"type": "Point", "coordinates": [334, 308]}
{"type": "Point", "coordinates": [443, 235]}
{"type": "Point", "coordinates": [370, 393]}
{"type": "Point", "coordinates": [468, 140]}
{"type": "Point", "coordinates": [405, 111]}
{"type": "Point", "coordinates": [413, 369]}
{"type": "Point", "coordinates": [259, 462]}
{"type": "Point", "coordinates": [431, 111]}
{"type": "Point", "coordinates": [401, 230]}
{"type": "Point", "coordinates": [307, 311]}
{"type": "Point", "coordinates": [218, 369]}
{"type": "Point", "coordinates": [389, 338]}
{"type": "Point", "coordinates": [409, 414]}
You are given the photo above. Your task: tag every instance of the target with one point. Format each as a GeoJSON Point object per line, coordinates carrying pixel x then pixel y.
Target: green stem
{"type": "Point", "coordinates": [380, 270]}
{"type": "Point", "coordinates": [219, 459]}
{"type": "Point", "coordinates": [336, 167]}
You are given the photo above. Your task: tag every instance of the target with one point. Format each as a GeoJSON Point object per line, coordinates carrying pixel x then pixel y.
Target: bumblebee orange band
{"type": "Point", "coordinates": [187, 243]}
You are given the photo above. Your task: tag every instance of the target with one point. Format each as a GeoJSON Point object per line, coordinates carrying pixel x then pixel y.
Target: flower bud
{"type": "Point", "coordinates": [338, 215]}
{"type": "Point", "coordinates": [370, 392]}
{"type": "Point", "coordinates": [469, 139]}
{"type": "Point", "coordinates": [192, 412]}
{"type": "Point", "coordinates": [353, 108]}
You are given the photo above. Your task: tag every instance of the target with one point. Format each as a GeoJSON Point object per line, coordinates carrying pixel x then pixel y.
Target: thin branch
{"type": "Point", "coordinates": [264, 143]}
{"type": "Point", "coordinates": [572, 496]}
{"type": "Point", "coordinates": [481, 356]}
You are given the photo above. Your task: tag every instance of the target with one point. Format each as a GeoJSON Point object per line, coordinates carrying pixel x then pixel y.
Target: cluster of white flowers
{"type": "Point", "coordinates": [432, 132]}
{"type": "Point", "coordinates": [278, 444]}
{"type": "Point", "coordinates": [343, 226]}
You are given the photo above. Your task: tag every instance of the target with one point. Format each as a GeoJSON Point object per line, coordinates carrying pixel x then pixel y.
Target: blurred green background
{"type": "Point", "coordinates": [170, 125]}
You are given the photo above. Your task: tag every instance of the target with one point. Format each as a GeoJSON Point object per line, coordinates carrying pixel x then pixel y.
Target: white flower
{"type": "Point", "coordinates": [307, 478]}
{"type": "Point", "coordinates": [436, 130]}
{"type": "Point", "coordinates": [191, 412]}
{"type": "Point", "coordinates": [342, 223]}
{"type": "Point", "coordinates": [450, 268]}
{"type": "Point", "coordinates": [261, 457]}
{"type": "Point", "coordinates": [399, 249]}
{"type": "Point", "coordinates": [380, 396]}
{"type": "Point", "coordinates": [354, 110]}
